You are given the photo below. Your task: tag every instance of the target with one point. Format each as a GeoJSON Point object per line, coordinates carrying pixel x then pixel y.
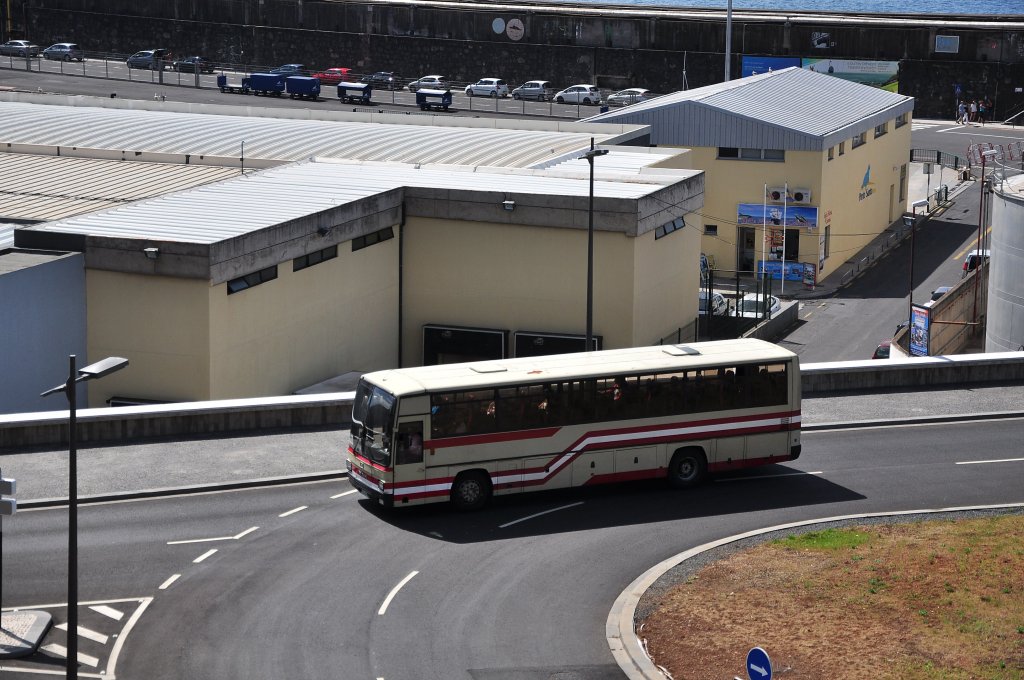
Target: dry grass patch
{"type": "Point", "coordinates": [917, 601]}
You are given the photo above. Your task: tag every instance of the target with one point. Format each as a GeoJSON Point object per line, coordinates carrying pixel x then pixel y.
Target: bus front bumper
{"type": "Point", "coordinates": [366, 488]}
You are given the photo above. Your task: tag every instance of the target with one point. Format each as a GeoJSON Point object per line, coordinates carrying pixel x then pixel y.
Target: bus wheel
{"type": "Point", "coordinates": [688, 468]}
{"type": "Point", "coordinates": [471, 490]}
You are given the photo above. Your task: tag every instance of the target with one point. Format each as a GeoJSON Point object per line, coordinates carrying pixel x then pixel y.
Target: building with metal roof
{"type": "Point", "coordinates": [801, 166]}
{"type": "Point", "coordinates": [284, 275]}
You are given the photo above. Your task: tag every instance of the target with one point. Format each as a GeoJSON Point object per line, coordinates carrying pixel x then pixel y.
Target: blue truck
{"type": "Point", "coordinates": [267, 84]}
{"type": "Point", "coordinates": [355, 93]}
{"type": "Point", "coordinates": [438, 100]}
{"type": "Point", "coordinates": [226, 86]}
{"type": "Point", "coordinates": [303, 87]}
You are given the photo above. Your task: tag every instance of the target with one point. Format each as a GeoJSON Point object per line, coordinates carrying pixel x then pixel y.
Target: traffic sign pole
{"type": "Point", "coordinates": [8, 506]}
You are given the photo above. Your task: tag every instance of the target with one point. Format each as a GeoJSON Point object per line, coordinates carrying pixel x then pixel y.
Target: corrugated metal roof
{"type": "Point", "coordinates": [283, 139]}
{"type": "Point", "coordinates": [7, 234]}
{"type": "Point", "coordinates": [46, 188]}
{"type": "Point", "coordinates": [794, 108]}
{"type": "Point", "coordinates": [213, 213]}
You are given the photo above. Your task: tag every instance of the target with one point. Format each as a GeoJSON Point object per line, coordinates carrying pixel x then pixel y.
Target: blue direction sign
{"type": "Point", "coordinates": [759, 666]}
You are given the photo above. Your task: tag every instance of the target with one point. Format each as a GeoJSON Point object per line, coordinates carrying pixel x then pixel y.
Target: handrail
{"type": "Point", "coordinates": [1009, 121]}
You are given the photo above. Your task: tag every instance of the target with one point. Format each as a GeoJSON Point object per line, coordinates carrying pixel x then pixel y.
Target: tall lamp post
{"type": "Point", "coordinates": [985, 155]}
{"type": "Point", "coordinates": [911, 221]}
{"type": "Point", "coordinates": [69, 388]}
{"type": "Point", "coordinates": [590, 156]}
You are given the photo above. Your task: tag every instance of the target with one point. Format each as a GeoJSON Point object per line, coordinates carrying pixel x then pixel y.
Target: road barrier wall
{"type": "Point", "coordinates": [213, 418]}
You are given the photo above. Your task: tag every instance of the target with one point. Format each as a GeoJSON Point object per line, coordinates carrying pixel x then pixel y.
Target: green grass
{"type": "Point", "coordinates": [829, 539]}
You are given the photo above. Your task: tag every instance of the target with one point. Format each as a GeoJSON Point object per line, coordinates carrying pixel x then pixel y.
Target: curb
{"type": "Point", "coordinates": [184, 490]}
{"type": "Point", "coordinates": [916, 420]}
{"type": "Point", "coordinates": [620, 633]}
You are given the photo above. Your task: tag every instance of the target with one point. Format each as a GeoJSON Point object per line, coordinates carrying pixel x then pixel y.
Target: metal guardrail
{"type": "Point", "coordinates": [943, 158]}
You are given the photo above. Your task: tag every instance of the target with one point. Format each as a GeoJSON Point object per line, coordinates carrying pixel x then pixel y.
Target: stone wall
{"type": "Point", "coordinates": [614, 48]}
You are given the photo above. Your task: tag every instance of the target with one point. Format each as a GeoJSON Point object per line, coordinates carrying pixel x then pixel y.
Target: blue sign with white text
{"type": "Point", "coordinates": [753, 65]}
{"type": "Point", "coordinates": [759, 666]}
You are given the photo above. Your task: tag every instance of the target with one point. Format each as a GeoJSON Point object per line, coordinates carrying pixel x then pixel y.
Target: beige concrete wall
{"type": "Point", "coordinates": [306, 326]}
{"type": "Point", "coordinates": [515, 278]}
{"type": "Point", "coordinates": [667, 282]}
{"type": "Point", "coordinates": [160, 324]}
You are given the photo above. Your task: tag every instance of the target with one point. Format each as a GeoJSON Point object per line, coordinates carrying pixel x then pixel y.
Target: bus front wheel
{"type": "Point", "coordinates": [688, 468]}
{"type": "Point", "coordinates": [471, 490]}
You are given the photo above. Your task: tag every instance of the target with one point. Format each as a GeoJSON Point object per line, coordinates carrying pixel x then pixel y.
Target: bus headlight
{"type": "Point", "coordinates": [381, 485]}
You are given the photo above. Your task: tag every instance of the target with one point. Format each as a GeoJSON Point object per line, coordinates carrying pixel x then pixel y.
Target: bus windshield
{"type": "Point", "coordinates": [372, 419]}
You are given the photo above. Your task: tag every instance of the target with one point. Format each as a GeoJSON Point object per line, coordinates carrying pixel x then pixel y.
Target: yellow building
{"type": "Point", "coordinates": [802, 169]}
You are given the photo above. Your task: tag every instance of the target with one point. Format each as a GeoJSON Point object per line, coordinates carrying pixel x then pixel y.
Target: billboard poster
{"type": "Point", "coordinates": [796, 216]}
{"type": "Point", "coordinates": [883, 74]}
{"type": "Point", "coordinates": [752, 65]}
{"type": "Point", "coordinates": [920, 330]}
{"type": "Point", "coordinates": [793, 271]}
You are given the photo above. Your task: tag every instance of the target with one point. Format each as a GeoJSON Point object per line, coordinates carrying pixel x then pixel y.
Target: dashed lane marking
{"type": "Point", "coordinates": [167, 584]}
{"type": "Point", "coordinates": [293, 511]}
{"type": "Point", "coordinates": [997, 460]}
{"type": "Point", "coordinates": [218, 538]}
{"type": "Point", "coordinates": [204, 556]}
{"type": "Point", "coordinates": [344, 493]}
{"type": "Point", "coordinates": [394, 591]}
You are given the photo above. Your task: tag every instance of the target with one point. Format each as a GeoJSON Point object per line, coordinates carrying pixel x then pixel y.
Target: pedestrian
{"type": "Point", "coordinates": [961, 113]}
{"type": "Point", "coordinates": [974, 111]}
{"type": "Point", "coordinates": [982, 111]}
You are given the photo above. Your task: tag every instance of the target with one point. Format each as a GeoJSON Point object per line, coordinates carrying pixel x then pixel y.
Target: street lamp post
{"type": "Point", "coordinates": [911, 221]}
{"type": "Point", "coordinates": [69, 388]}
{"type": "Point", "coordinates": [985, 155]}
{"type": "Point", "coordinates": [590, 156]}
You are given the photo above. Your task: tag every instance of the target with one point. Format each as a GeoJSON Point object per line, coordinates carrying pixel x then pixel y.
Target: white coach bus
{"type": "Point", "coordinates": [465, 432]}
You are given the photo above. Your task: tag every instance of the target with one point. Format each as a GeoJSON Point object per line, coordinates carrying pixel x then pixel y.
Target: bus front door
{"type": "Point", "coordinates": [409, 468]}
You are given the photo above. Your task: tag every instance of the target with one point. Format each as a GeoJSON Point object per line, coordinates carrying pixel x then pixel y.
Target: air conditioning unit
{"type": "Point", "coordinates": [800, 195]}
{"type": "Point", "coordinates": [776, 194]}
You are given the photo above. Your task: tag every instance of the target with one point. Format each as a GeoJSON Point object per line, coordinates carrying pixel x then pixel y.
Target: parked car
{"type": "Point", "coordinates": [382, 80]}
{"type": "Point", "coordinates": [333, 76]}
{"type": "Point", "coordinates": [429, 83]}
{"type": "Point", "coordinates": [540, 90]}
{"type": "Point", "coordinates": [883, 349]}
{"type": "Point", "coordinates": [579, 94]}
{"type": "Point", "coordinates": [194, 63]}
{"type": "Point", "coordinates": [291, 70]}
{"type": "Point", "coordinates": [64, 52]}
{"type": "Point", "coordinates": [719, 305]}
{"type": "Point", "coordinates": [488, 87]}
{"type": "Point", "coordinates": [973, 259]}
{"type": "Point", "coordinates": [629, 96]}
{"type": "Point", "coordinates": [936, 294]}
{"type": "Point", "coordinates": [752, 306]}
{"type": "Point", "coordinates": [19, 48]}
{"type": "Point", "coordinates": [151, 59]}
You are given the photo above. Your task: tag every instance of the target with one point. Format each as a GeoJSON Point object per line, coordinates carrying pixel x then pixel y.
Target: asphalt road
{"type": "Point", "coordinates": [301, 575]}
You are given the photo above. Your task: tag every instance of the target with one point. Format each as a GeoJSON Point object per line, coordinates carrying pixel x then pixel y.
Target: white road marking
{"type": "Point", "coordinates": [998, 460]}
{"type": "Point", "coordinates": [344, 493]}
{"type": "Point", "coordinates": [517, 521]}
{"type": "Point", "coordinates": [204, 556]}
{"type": "Point", "coordinates": [166, 584]}
{"type": "Point", "coordinates": [60, 650]}
{"type": "Point", "coordinates": [394, 591]}
{"type": "Point", "coordinates": [86, 633]}
{"type": "Point", "coordinates": [293, 511]}
{"type": "Point", "coordinates": [218, 538]}
{"type": "Point", "coordinates": [116, 651]}
{"type": "Point", "coordinates": [40, 671]}
{"type": "Point", "coordinates": [108, 612]}
{"type": "Point", "coordinates": [783, 474]}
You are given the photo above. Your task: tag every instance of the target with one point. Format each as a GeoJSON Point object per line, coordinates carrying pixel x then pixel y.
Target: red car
{"type": "Point", "coordinates": [333, 76]}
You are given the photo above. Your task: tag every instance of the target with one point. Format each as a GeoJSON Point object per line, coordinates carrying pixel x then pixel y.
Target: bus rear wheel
{"type": "Point", "coordinates": [471, 491]}
{"type": "Point", "coordinates": [688, 468]}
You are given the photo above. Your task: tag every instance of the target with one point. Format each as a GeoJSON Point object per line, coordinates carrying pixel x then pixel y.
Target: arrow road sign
{"type": "Point", "coordinates": [759, 666]}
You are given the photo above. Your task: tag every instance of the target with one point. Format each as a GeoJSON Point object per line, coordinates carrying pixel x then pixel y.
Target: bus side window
{"type": "Point", "coordinates": [410, 443]}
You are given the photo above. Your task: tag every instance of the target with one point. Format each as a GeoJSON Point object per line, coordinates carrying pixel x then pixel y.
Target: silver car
{"type": "Point", "coordinates": [540, 90]}
{"type": "Point", "coordinates": [64, 52]}
{"type": "Point", "coordinates": [632, 95]}
{"type": "Point", "coordinates": [19, 48]}
{"type": "Point", "coordinates": [488, 87]}
{"type": "Point", "coordinates": [429, 83]}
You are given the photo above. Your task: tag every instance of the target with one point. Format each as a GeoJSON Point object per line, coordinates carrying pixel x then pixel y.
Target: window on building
{"type": "Point", "coordinates": [881, 130]}
{"type": "Point", "coordinates": [774, 154]}
{"type": "Point", "coordinates": [361, 242]}
{"type": "Point", "coordinates": [903, 182]}
{"type": "Point", "coordinates": [862, 138]}
{"type": "Point", "coordinates": [842, 148]}
{"type": "Point", "coordinates": [250, 280]}
{"type": "Point", "coordinates": [901, 120]}
{"type": "Point", "coordinates": [711, 229]}
{"type": "Point", "coordinates": [831, 152]}
{"type": "Point", "coordinates": [728, 152]}
{"type": "Point", "coordinates": [751, 154]}
{"type": "Point", "coordinates": [828, 239]}
{"type": "Point", "coordinates": [314, 258]}
{"type": "Point", "coordinates": [666, 229]}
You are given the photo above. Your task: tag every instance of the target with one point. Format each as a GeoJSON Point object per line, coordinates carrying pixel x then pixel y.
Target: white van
{"type": "Point", "coordinates": [973, 259]}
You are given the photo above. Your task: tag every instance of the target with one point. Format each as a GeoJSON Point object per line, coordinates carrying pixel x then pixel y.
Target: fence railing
{"type": "Point", "coordinates": [943, 158]}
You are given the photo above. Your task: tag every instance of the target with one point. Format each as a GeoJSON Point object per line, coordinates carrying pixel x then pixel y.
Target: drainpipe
{"type": "Point", "coordinates": [401, 279]}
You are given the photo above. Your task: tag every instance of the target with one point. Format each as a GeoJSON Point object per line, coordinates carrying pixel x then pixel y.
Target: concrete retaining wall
{"type": "Point", "coordinates": [137, 423]}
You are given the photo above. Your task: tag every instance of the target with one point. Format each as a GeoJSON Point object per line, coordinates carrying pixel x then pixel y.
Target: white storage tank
{"type": "Point", "coordinates": [1004, 331]}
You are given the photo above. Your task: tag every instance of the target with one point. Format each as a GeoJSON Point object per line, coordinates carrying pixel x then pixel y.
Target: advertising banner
{"type": "Point", "coordinates": [752, 65]}
{"type": "Point", "coordinates": [794, 271]}
{"type": "Point", "coordinates": [884, 74]}
{"type": "Point", "coordinates": [920, 330]}
{"type": "Point", "coordinates": [753, 214]}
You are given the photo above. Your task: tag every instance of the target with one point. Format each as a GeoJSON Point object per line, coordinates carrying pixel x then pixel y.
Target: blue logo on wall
{"type": "Point", "coordinates": [867, 187]}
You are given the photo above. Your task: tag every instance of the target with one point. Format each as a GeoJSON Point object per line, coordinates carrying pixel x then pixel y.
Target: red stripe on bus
{"type": "Point", "coordinates": [470, 440]}
{"type": "Point", "coordinates": [632, 475]}
{"type": "Point", "coordinates": [375, 466]}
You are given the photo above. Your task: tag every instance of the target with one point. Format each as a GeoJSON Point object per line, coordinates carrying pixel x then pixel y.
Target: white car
{"type": "Point", "coordinates": [752, 306]}
{"type": "Point", "coordinates": [719, 305]}
{"type": "Point", "coordinates": [579, 94]}
{"type": "Point", "coordinates": [429, 83]}
{"type": "Point", "coordinates": [488, 87]}
{"type": "Point", "coordinates": [629, 96]}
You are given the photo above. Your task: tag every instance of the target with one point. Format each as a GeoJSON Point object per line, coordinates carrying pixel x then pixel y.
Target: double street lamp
{"type": "Point", "coordinates": [590, 156]}
{"type": "Point", "coordinates": [70, 389]}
